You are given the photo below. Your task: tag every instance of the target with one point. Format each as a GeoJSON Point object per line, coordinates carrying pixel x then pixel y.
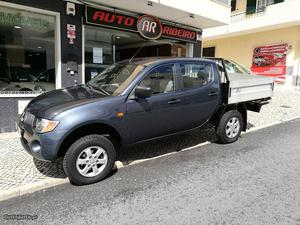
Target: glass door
{"type": "Point", "coordinates": [104, 47]}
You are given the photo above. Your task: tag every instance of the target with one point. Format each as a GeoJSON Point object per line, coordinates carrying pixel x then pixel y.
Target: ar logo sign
{"type": "Point", "coordinates": [149, 27]}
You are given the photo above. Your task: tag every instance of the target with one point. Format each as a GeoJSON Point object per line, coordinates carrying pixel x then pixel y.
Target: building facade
{"type": "Point", "coordinates": [263, 35]}
{"type": "Point", "coordinates": [47, 45]}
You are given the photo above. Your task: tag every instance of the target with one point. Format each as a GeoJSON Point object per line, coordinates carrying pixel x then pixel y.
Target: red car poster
{"type": "Point", "coordinates": [270, 61]}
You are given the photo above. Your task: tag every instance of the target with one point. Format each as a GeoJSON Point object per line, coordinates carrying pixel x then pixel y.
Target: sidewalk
{"type": "Point", "coordinates": [18, 169]}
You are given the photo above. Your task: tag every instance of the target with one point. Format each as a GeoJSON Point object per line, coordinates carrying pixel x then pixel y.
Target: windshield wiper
{"type": "Point", "coordinates": [98, 89]}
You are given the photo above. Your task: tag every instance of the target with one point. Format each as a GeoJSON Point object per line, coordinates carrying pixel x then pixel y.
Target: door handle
{"type": "Point", "coordinates": [213, 93]}
{"type": "Point", "coordinates": [174, 101]}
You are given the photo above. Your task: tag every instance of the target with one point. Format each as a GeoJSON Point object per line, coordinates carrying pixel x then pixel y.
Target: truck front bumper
{"type": "Point", "coordinates": [41, 146]}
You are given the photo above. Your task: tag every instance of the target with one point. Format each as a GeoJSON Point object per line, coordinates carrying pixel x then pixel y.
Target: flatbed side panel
{"type": "Point", "coordinates": [253, 81]}
{"type": "Point", "coordinates": [243, 93]}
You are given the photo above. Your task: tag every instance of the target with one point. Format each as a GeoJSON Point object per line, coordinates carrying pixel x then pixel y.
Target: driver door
{"type": "Point", "coordinates": [159, 114]}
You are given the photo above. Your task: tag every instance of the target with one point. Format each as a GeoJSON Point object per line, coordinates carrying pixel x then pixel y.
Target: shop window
{"type": "Point", "coordinates": [104, 46]}
{"type": "Point", "coordinates": [98, 51]}
{"type": "Point", "coordinates": [209, 52]}
{"type": "Point", "coordinates": [196, 74]}
{"type": "Point", "coordinates": [27, 52]}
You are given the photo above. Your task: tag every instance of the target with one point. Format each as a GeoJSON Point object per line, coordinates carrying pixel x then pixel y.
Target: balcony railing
{"type": "Point", "coordinates": [223, 2]}
{"type": "Point", "coordinates": [245, 15]}
{"type": "Point", "coordinates": [260, 11]}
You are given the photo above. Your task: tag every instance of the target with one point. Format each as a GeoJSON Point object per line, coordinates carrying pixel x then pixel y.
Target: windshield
{"type": "Point", "coordinates": [116, 78]}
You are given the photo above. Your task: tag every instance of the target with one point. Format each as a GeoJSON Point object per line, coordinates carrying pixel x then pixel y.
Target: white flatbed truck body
{"type": "Point", "coordinates": [244, 88]}
{"type": "Point", "coordinates": [239, 85]}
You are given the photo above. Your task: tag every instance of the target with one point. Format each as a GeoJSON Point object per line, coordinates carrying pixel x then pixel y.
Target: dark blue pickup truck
{"type": "Point", "coordinates": [134, 101]}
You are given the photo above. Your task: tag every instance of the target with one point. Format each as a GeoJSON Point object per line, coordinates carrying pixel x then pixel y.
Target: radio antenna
{"type": "Point", "coordinates": [137, 52]}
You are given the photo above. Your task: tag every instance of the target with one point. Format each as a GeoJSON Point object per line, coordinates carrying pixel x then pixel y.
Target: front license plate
{"type": "Point", "coordinates": [26, 136]}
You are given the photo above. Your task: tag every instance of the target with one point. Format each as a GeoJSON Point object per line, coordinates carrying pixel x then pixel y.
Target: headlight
{"type": "Point", "coordinates": [44, 125]}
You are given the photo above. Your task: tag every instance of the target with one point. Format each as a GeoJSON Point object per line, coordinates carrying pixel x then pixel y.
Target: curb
{"type": "Point", "coordinates": [39, 185]}
{"type": "Point", "coordinates": [30, 188]}
{"type": "Point", "coordinates": [51, 182]}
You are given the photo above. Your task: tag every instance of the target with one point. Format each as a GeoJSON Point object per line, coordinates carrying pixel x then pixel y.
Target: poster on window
{"type": "Point", "coordinates": [270, 61]}
{"type": "Point", "coordinates": [98, 55]}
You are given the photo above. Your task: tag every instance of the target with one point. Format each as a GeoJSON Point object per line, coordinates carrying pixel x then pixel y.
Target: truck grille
{"type": "Point", "coordinates": [29, 119]}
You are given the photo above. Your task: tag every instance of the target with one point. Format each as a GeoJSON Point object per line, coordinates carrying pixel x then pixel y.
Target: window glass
{"type": "Point", "coordinates": [233, 67]}
{"type": "Point", "coordinates": [209, 52]}
{"type": "Point", "coordinates": [98, 51]}
{"type": "Point", "coordinates": [27, 46]}
{"type": "Point", "coordinates": [104, 46]}
{"type": "Point", "coordinates": [196, 74]}
{"type": "Point", "coordinates": [160, 80]}
{"type": "Point", "coordinates": [233, 5]}
{"type": "Point", "coordinates": [116, 78]}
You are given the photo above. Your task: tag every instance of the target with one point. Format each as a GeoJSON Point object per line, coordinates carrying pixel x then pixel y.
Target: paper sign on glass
{"type": "Point", "coordinates": [98, 55]}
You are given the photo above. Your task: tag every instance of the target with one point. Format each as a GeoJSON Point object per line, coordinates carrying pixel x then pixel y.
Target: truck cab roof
{"type": "Point", "coordinates": [158, 60]}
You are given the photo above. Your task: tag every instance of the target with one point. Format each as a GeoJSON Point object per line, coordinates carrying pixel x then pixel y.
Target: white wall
{"type": "Point", "coordinates": [276, 16]}
{"type": "Point", "coordinates": [205, 8]}
{"type": "Point", "coordinates": [240, 48]}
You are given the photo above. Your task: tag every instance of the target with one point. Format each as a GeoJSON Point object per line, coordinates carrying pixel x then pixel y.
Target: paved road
{"type": "Point", "coordinates": [254, 181]}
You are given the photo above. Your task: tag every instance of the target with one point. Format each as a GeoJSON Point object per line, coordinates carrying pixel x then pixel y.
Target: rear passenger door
{"type": "Point", "coordinates": [200, 92]}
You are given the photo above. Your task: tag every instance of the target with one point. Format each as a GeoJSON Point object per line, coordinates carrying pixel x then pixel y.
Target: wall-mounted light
{"type": "Point", "coordinates": [71, 8]}
{"type": "Point", "coordinates": [17, 27]}
{"type": "Point", "coordinates": [39, 47]}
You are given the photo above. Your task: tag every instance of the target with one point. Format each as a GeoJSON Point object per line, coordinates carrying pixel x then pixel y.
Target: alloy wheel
{"type": "Point", "coordinates": [91, 161]}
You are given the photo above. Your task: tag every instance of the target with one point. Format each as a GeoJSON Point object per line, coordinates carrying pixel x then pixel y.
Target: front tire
{"type": "Point", "coordinates": [230, 126]}
{"type": "Point", "coordinates": [89, 160]}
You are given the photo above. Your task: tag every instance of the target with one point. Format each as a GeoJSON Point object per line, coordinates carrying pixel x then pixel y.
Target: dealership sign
{"type": "Point", "coordinates": [23, 20]}
{"type": "Point", "coordinates": [147, 26]}
{"type": "Point", "coordinates": [270, 60]}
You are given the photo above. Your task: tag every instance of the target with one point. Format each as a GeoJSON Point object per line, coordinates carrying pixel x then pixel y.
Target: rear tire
{"type": "Point", "coordinates": [89, 160]}
{"type": "Point", "coordinates": [230, 126]}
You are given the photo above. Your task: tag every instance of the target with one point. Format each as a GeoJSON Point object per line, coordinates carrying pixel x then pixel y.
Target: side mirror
{"type": "Point", "coordinates": [143, 92]}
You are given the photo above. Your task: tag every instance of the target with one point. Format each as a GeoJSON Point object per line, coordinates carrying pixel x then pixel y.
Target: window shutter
{"type": "Point", "coordinates": [251, 6]}
{"type": "Point", "coordinates": [278, 1]}
{"type": "Point", "coordinates": [233, 5]}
